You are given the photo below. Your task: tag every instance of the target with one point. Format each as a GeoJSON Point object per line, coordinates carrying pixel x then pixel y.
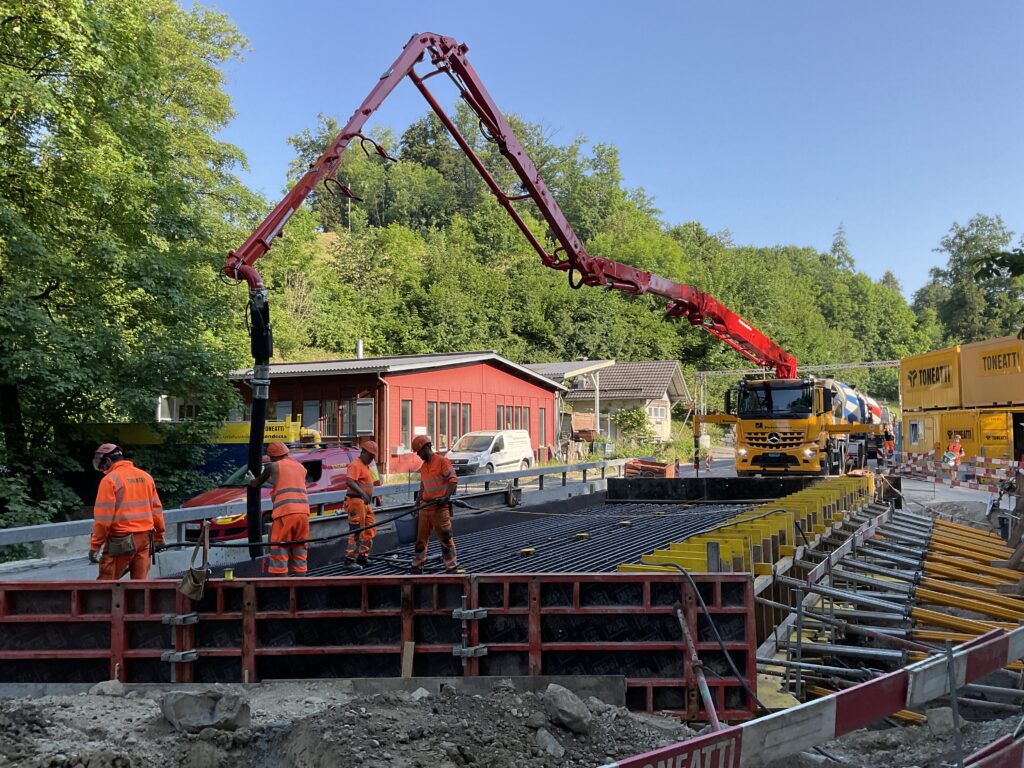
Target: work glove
{"type": "Point", "coordinates": [94, 556]}
{"type": "Point", "coordinates": [249, 476]}
{"type": "Point", "coordinates": [159, 543]}
{"type": "Point", "coordinates": [365, 497]}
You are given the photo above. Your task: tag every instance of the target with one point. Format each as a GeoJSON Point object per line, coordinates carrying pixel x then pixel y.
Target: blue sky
{"type": "Point", "coordinates": [773, 120]}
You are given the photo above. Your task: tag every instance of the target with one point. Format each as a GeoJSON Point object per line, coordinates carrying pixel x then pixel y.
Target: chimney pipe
{"type": "Point", "coordinates": [359, 349]}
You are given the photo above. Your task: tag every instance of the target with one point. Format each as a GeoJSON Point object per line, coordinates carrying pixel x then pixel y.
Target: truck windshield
{"type": "Point", "coordinates": [767, 400]}
{"type": "Point", "coordinates": [473, 443]}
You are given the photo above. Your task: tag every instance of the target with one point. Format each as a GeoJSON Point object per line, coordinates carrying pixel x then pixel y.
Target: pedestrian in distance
{"type": "Point", "coordinates": [359, 505]}
{"type": "Point", "coordinates": [889, 440]}
{"type": "Point", "coordinates": [954, 453]}
{"type": "Point", "coordinates": [128, 518]}
{"type": "Point", "coordinates": [290, 515]}
{"type": "Point", "coordinates": [437, 485]}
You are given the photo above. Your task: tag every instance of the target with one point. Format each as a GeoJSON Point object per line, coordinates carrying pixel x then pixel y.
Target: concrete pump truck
{"type": "Point", "coordinates": [447, 57]}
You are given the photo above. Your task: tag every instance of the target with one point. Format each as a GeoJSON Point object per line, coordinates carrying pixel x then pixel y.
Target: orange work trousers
{"type": "Point", "coordinates": [438, 519]}
{"type": "Point", "coordinates": [287, 558]}
{"type": "Point", "coordinates": [113, 568]}
{"type": "Point", "coordinates": [360, 515]}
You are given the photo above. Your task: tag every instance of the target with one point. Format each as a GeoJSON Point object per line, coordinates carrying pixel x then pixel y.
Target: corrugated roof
{"type": "Point", "coordinates": [567, 369]}
{"type": "Point", "coordinates": [644, 380]}
{"type": "Point", "coordinates": [396, 364]}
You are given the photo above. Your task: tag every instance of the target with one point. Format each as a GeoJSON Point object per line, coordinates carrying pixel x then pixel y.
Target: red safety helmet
{"type": "Point", "coordinates": [419, 441]}
{"type": "Point", "coordinates": [370, 447]}
{"type": "Point", "coordinates": [277, 449]}
{"type": "Point", "coordinates": [105, 455]}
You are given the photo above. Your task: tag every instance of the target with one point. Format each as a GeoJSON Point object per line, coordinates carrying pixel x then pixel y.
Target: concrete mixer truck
{"type": "Point", "coordinates": [805, 426]}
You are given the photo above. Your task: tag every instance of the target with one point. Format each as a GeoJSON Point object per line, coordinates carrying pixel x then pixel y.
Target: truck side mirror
{"type": "Point", "coordinates": [826, 400]}
{"type": "Point", "coordinates": [728, 401]}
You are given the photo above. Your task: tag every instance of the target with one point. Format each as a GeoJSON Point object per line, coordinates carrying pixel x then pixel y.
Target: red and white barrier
{"type": "Point", "coordinates": [937, 480]}
{"type": "Point", "coordinates": [911, 458]}
{"type": "Point", "coordinates": [782, 734]}
{"type": "Point", "coordinates": [1001, 753]}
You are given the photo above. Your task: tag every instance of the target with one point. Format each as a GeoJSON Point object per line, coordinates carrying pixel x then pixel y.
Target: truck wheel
{"type": "Point", "coordinates": [525, 465]}
{"type": "Point", "coordinates": [489, 469]}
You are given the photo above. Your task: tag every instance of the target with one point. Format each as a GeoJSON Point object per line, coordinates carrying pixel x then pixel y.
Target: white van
{"type": "Point", "coordinates": [500, 450]}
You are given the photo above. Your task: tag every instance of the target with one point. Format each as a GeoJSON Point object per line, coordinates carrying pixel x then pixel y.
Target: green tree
{"type": "Point", "coordinates": [632, 424]}
{"type": "Point", "coordinates": [117, 205]}
{"type": "Point", "coordinates": [969, 307]}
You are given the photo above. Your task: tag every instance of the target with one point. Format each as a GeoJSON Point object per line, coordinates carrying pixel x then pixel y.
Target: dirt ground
{"type": "Point", "coordinates": [903, 747]}
{"type": "Point", "coordinates": [321, 725]}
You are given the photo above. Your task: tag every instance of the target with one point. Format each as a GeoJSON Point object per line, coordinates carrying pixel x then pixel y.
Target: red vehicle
{"type": "Point", "coordinates": [326, 470]}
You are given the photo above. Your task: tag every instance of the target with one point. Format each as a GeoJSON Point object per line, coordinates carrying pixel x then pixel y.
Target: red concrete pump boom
{"type": "Point", "coordinates": [448, 57]}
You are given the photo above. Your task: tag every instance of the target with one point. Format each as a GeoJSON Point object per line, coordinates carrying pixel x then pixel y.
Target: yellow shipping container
{"type": "Point", "coordinates": [993, 372]}
{"type": "Point", "coordinates": [920, 431]}
{"type": "Point", "coordinates": [931, 380]}
{"type": "Point", "coordinates": [994, 434]}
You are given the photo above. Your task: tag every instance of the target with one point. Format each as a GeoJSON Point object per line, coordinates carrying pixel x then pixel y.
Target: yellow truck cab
{"type": "Point", "coordinates": [796, 426]}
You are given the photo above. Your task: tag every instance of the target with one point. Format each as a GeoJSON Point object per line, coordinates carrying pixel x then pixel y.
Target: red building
{"type": "Point", "coordinates": [392, 399]}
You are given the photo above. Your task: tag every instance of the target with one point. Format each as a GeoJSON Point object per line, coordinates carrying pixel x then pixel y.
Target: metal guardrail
{"type": "Point", "coordinates": [173, 517]}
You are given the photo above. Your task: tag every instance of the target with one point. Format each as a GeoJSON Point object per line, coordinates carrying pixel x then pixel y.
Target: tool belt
{"type": "Point", "coordinates": [118, 546]}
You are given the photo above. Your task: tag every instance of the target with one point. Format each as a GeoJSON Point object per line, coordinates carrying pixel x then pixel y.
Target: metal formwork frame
{"type": "Point", "coordinates": [248, 630]}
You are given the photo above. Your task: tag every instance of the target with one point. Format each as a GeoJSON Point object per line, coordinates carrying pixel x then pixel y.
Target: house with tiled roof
{"type": "Point", "coordinates": [653, 385]}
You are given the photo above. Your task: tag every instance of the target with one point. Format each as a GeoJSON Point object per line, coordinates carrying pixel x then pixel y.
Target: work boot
{"type": "Point", "coordinates": [363, 560]}
{"type": "Point", "coordinates": [352, 564]}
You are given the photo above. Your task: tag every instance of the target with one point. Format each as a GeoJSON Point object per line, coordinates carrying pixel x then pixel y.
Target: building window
{"type": "Point", "coordinates": [509, 414]}
{"type": "Point", "coordinates": [916, 432]}
{"type": "Point", "coordinates": [519, 417]}
{"type": "Point", "coordinates": [456, 432]}
{"type": "Point", "coordinates": [329, 418]}
{"type": "Point", "coordinates": [526, 420]}
{"type": "Point", "coordinates": [347, 411]}
{"type": "Point", "coordinates": [432, 420]}
{"type": "Point", "coordinates": [311, 414]}
{"type": "Point", "coordinates": [543, 427]}
{"type": "Point", "coordinates": [364, 416]}
{"type": "Point", "coordinates": [188, 411]}
{"type": "Point", "coordinates": [406, 424]}
{"type": "Point", "coordinates": [282, 410]}
{"type": "Point", "coordinates": [467, 425]}
{"type": "Point", "coordinates": [442, 424]}
{"type": "Point", "coordinates": [499, 422]}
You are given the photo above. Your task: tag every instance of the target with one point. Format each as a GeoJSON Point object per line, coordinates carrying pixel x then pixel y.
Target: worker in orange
{"type": "Point", "coordinates": [358, 504]}
{"type": "Point", "coordinates": [128, 517]}
{"type": "Point", "coordinates": [290, 516]}
{"type": "Point", "coordinates": [437, 484]}
{"type": "Point", "coordinates": [890, 443]}
{"type": "Point", "coordinates": [957, 450]}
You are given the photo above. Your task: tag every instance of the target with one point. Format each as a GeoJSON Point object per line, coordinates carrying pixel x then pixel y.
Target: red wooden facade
{"type": "Point", "coordinates": [445, 401]}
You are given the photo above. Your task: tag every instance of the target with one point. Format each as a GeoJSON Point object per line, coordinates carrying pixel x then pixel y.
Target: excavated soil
{"type": "Point", "coordinates": [318, 725]}
{"type": "Point", "coordinates": [904, 747]}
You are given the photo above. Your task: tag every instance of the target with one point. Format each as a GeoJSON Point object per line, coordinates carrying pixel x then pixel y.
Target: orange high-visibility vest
{"type": "Point", "coordinates": [435, 477]}
{"type": "Point", "coordinates": [363, 477]}
{"type": "Point", "coordinates": [126, 502]}
{"type": "Point", "coordinates": [956, 450]}
{"type": "Point", "coordinates": [289, 493]}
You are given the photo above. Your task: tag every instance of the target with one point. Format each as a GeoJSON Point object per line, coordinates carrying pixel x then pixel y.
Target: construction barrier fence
{"type": "Point", "coordinates": [782, 734]}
